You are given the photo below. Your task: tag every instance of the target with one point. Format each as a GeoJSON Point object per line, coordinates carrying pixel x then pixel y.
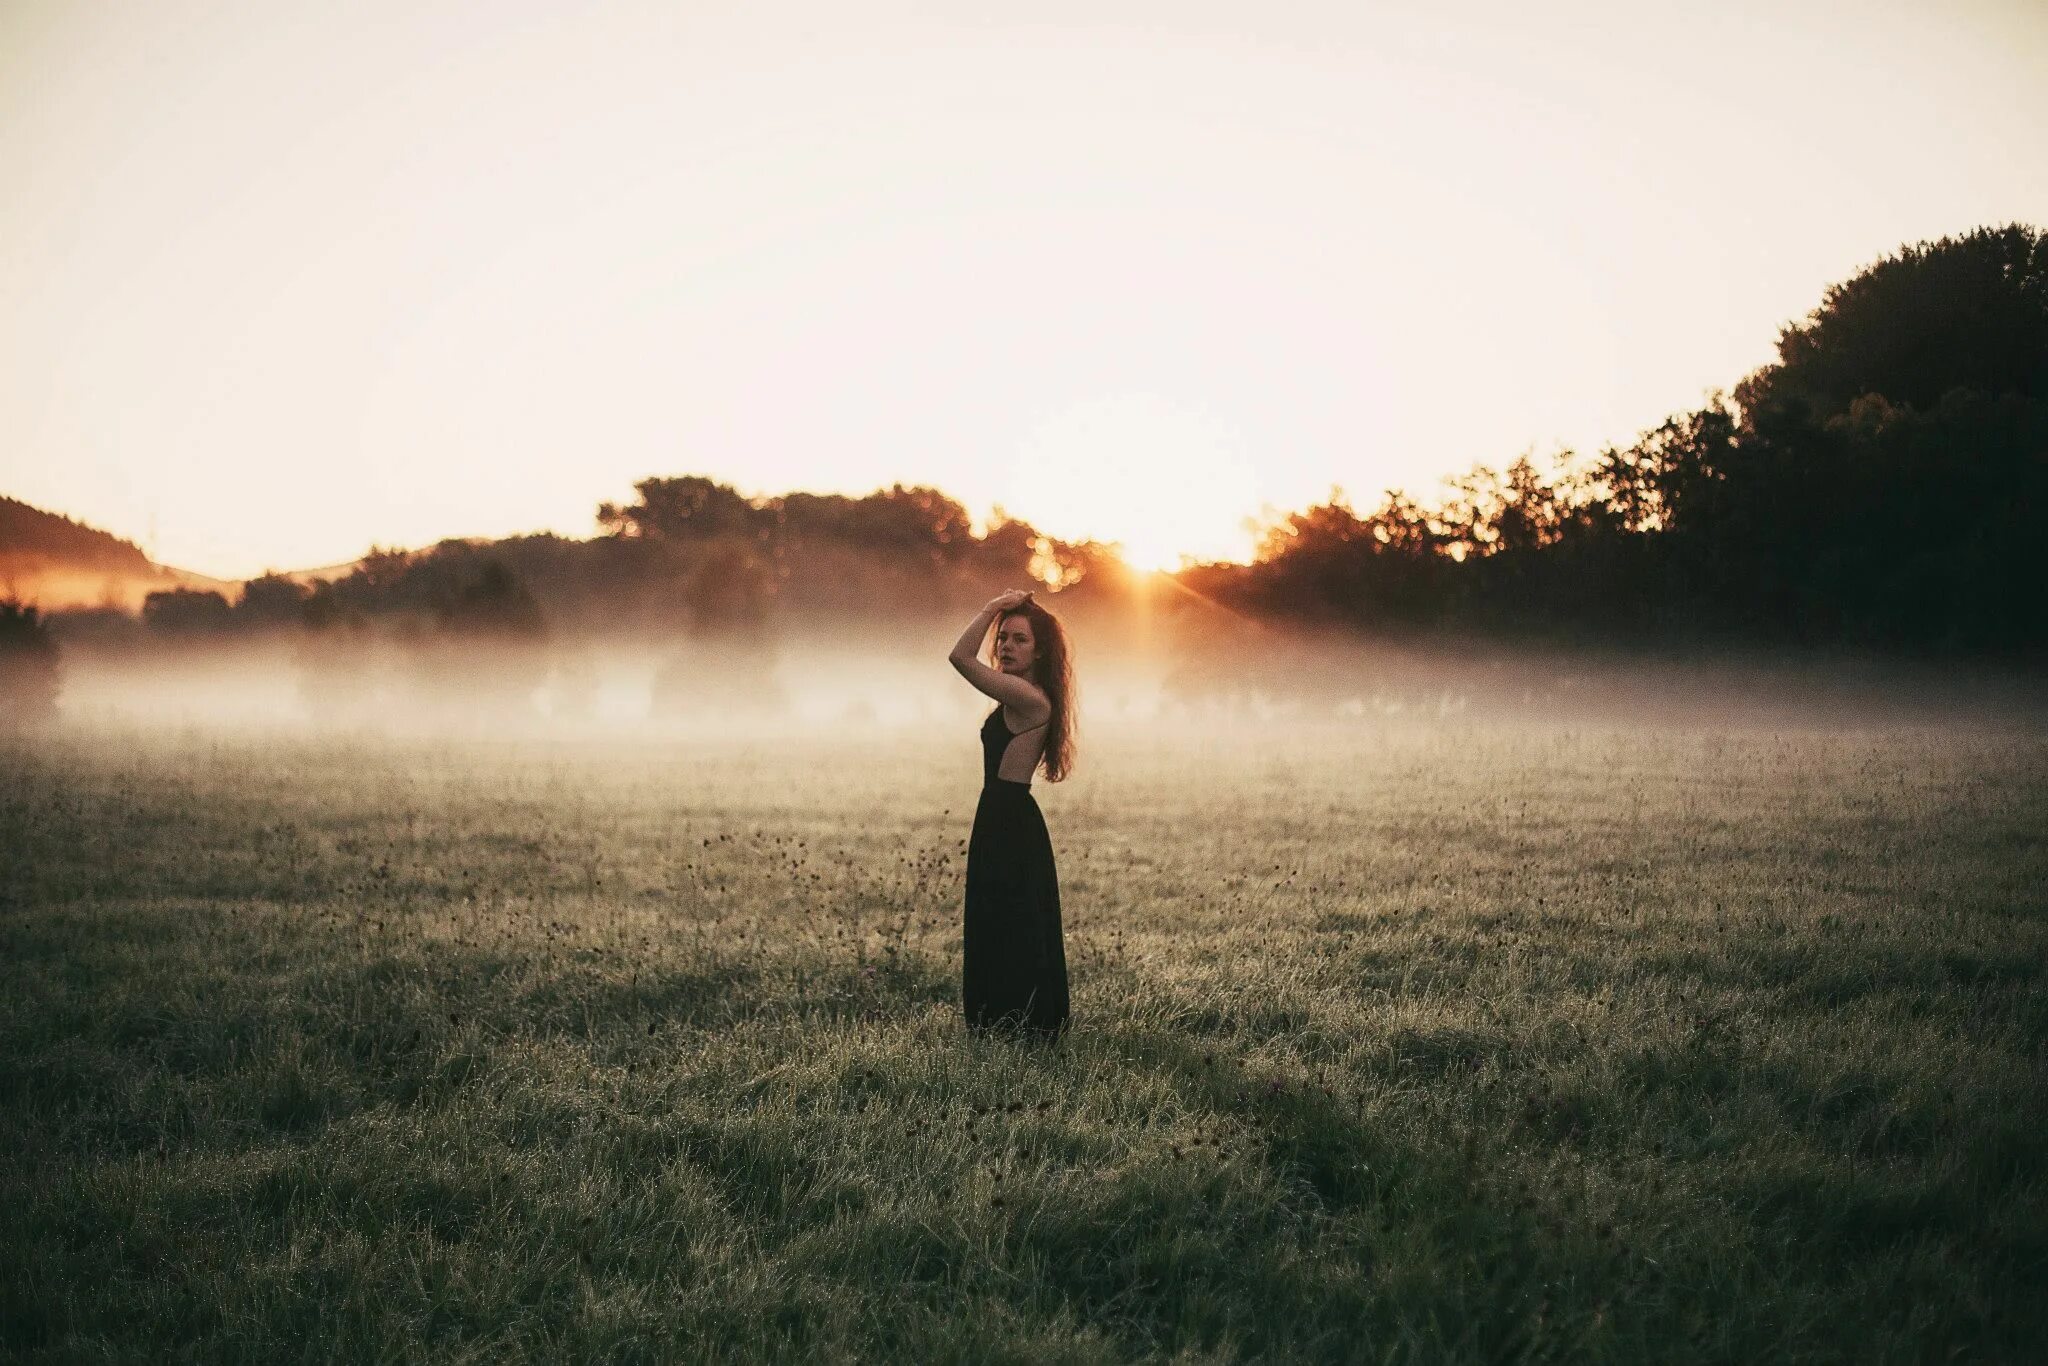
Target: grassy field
{"type": "Point", "coordinates": [1400, 1043]}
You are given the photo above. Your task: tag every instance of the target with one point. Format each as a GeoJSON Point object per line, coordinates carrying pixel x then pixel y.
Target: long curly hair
{"type": "Point", "coordinates": [1053, 671]}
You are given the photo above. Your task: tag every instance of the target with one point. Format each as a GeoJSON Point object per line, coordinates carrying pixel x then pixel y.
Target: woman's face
{"type": "Point", "coordinates": [1016, 649]}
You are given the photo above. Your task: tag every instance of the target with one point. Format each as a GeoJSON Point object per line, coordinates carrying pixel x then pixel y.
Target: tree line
{"type": "Point", "coordinates": [688, 557]}
{"type": "Point", "coordinates": [711, 575]}
{"type": "Point", "coordinates": [1877, 486]}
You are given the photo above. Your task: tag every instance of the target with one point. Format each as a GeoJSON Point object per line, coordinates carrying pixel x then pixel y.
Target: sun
{"type": "Point", "coordinates": [1154, 549]}
{"type": "Point", "coordinates": [1161, 480]}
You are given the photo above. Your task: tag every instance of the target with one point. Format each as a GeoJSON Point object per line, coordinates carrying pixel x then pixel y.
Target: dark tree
{"type": "Point", "coordinates": [187, 612]}
{"type": "Point", "coordinates": [729, 664]}
{"type": "Point", "coordinates": [1879, 486]}
{"type": "Point", "coordinates": [917, 522]}
{"type": "Point", "coordinates": [1531, 513]}
{"type": "Point", "coordinates": [30, 674]}
{"type": "Point", "coordinates": [688, 506]}
{"type": "Point", "coordinates": [1650, 485]}
{"type": "Point", "coordinates": [1403, 527]}
{"type": "Point", "coordinates": [496, 608]}
{"type": "Point", "coordinates": [490, 653]}
{"type": "Point", "coordinates": [271, 601]}
{"type": "Point", "coordinates": [1316, 530]}
{"type": "Point", "coordinates": [1967, 312]}
{"type": "Point", "coordinates": [337, 658]}
{"type": "Point", "coordinates": [1008, 550]}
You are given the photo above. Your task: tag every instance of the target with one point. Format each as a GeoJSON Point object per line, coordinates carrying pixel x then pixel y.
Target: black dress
{"type": "Point", "coordinates": [1013, 963]}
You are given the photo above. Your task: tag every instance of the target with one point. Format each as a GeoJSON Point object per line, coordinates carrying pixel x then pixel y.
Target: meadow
{"type": "Point", "coordinates": [1450, 1040]}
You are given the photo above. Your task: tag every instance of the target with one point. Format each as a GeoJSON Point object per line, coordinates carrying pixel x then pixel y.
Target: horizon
{"type": "Point", "coordinates": [289, 284]}
{"type": "Point", "coordinates": [980, 525]}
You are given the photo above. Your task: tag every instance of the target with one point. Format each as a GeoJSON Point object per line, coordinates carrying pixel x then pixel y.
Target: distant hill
{"type": "Point", "coordinates": [26, 530]}
{"type": "Point", "coordinates": [56, 562]}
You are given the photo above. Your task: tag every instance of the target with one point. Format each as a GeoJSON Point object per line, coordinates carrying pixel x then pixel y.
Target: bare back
{"type": "Point", "coordinates": [1016, 752]}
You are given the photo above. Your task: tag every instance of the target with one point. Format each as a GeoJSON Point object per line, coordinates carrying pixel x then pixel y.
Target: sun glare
{"type": "Point", "coordinates": [1148, 553]}
{"type": "Point", "coordinates": [1160, 480]}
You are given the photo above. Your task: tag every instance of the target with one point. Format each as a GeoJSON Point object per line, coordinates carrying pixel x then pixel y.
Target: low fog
{"type": "Point", "coordinates": [890, 676]}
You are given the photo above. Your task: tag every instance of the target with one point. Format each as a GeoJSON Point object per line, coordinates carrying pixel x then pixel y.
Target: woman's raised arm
{"type": "Point", "coordinates": [1008, 689]}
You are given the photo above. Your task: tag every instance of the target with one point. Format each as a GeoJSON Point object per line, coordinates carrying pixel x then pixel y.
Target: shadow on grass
{"type": "Point", "coordinates": [1314, 1139]}
{"type": "Point", "coordinates": [1290, 1226]}
{"type": "Point", "coordinates": [827, 992]}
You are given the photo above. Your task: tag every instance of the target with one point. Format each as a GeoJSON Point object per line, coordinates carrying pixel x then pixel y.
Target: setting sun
{"type": "Point", "coordinates": [1161, 480]}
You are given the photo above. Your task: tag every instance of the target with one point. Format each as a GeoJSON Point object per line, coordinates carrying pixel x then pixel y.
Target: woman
{"type": "Point", "coordinates": [1013, 963]}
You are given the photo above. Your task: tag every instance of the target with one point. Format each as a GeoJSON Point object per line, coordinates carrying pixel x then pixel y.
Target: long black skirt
{"type": "Point", "coordinates": [1013, 961]}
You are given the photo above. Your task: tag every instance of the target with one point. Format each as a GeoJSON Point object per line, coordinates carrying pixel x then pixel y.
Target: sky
{"type": "Point", "coordinates": [283, 280]}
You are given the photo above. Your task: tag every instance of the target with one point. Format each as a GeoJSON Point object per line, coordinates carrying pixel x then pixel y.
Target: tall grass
{"type": "Point", "coordinates": [1390, 1043]}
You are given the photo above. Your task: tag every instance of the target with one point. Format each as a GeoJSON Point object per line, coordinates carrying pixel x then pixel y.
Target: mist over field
{"type": "Point", "coordinates": [884, 677]}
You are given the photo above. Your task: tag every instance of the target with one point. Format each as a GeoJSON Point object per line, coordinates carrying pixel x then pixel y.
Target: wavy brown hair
{"type": "Point", "coordinates": [1052, 670]}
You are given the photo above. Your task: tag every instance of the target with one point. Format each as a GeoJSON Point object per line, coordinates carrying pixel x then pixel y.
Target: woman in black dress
{"type": "Point", "coordinates": [1013, 963]}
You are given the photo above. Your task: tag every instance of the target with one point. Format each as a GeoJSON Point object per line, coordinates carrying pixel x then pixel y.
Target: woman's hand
{"type": "Point", "coordinates": [970, 642]}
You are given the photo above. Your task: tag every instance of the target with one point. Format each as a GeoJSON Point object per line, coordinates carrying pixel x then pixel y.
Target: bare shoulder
{"type": "Point", "coordinates": [1026, 712]}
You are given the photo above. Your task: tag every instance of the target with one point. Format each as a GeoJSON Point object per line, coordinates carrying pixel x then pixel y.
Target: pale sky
{"type": "Point", "coordinates": [281, 280]}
